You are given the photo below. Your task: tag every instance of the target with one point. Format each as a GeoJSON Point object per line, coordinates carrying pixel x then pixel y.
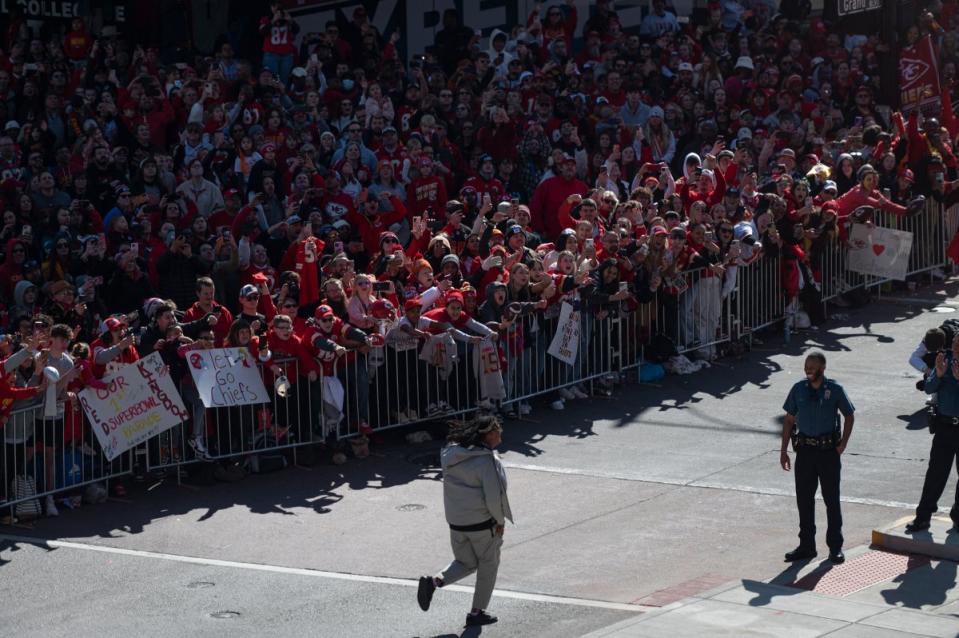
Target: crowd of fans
{"type": "Point", "coordinates": [299, 200]}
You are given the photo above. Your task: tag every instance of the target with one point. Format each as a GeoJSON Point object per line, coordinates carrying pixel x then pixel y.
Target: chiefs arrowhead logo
{"type": "Point", "coordinates": [911, 70]}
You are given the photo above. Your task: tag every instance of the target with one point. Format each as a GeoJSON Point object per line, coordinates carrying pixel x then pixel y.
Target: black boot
{"type": "Point", "coordinates": [424, 593]}
{"type": "Point", "coordinates": [917, 526]}
{"type": "Point", "coordinates": [801, 553]}
{"type": "Point", "coordinates": [482, 618]}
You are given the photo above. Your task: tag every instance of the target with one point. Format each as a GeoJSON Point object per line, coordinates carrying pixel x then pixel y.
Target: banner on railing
{"type": "Point", "coordinates": [226, 377]}
{"type": "Point", "coordinates": [565, 343]}
{"type": "Point", "coordinates": [881, 252]}
{"type": "Point", "coordinates": [140, 401]}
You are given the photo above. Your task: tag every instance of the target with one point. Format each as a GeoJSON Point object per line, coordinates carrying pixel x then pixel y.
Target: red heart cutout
{"type": "Point", "coordinates": [878, 249]}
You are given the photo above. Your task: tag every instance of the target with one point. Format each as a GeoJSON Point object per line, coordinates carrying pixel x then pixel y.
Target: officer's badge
{"type": "Point", "coordinates": [828, 392]}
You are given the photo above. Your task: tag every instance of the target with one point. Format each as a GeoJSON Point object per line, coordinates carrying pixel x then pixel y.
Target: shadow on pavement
{"type": "Point", "coordinates": [916, 421]}
{"type": "Point", "coordinates": [922, 586]}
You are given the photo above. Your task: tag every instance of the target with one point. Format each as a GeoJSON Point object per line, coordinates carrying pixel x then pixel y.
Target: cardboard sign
{"type": "Point", "coordinates": [226, 377]}
{"type": "Point", "coordinates": [882, 252]}
{"type": "Point", "coordinates": [139, 402]}
{"type": "Point", "coordinates": [565, 343]}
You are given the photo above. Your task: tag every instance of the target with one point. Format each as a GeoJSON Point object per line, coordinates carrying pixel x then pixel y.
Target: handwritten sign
{"type": "Point", "coordinates": [226, 377]}
{"type": "Point", "coordinates": [565, 342]}
{"type": "Point", "coordinates": [878, 251]}
{"type": "Point", "coordinates": [139, 402]}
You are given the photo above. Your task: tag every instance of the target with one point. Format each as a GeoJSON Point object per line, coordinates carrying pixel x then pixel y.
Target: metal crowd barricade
{"type": "Point", "coordinates": [60, 458]}
{"type": "Point", "coordinates": [701, 318]}
{"type": "Point", "coordinates": [392, 386]}
{"type": "Point", "coordinates": [930, 236]}
{"type": "Point", "coordinates": [758, 295]}
{"type": "Point", "coordinates": [282, 423]}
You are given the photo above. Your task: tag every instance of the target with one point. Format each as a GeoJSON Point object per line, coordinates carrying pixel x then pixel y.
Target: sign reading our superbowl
{"type": "Point", "coordinates": [846, 7]}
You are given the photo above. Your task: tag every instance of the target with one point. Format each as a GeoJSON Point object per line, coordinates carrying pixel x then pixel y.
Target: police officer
{"type": "Point", "coordinates": [943, 381]}
{"type": "Point", "coordinates": [474, 496]}
{"type": "Point", "coordinates": [812, 424]}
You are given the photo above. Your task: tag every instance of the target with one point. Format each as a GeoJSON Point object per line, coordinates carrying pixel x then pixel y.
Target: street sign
{"type": "Point", "coordinates": [847, 7]}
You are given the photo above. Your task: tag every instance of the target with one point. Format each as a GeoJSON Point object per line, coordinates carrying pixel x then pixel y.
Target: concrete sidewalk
{"type": "Point", "coordinates": [875, 593]}
{"type": "Point", "coordinates": [751, 608]}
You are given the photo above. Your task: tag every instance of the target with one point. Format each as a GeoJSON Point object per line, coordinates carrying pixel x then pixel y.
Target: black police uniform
{"type": "Point", "coordinates": [817, 461]}
{"type": "Point", "coordinates": [945, 443]}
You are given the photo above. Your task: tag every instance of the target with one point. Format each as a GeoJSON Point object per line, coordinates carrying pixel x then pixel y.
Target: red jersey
{"type": "Point", "coordinates": [278, 39]}
{"type": "Point", "coordinates": [426, 192]}
{"type": "Point", "coordinates": [482, 186]}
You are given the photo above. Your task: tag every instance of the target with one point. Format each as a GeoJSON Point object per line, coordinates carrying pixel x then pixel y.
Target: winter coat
{"type": "Point", "coordinates": [474, 486]}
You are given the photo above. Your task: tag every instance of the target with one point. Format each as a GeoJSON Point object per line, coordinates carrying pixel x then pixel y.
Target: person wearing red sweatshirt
{"type": "Point", "coordinates": [206, 305]}
{"type": "Point", "coordinates": [551, 194]}
{"type": "Point", "coordinates": [77, 42]}
{"type": "Point", "coordinates": [327, 340]}
{"type": "Point", "coordinates": [370, 223]}
{"type": "Point", "coordinates": [426, 191]}
{"type": "Point", "coordinates": [866, 193]}
{"type": "Point", "coordinates": [290, 360]}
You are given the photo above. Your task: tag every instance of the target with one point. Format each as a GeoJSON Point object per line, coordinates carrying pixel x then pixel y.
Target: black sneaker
{"type": "Point", "coordinates": [800, 553]}
{"type": "Point", "coordinates": [482, 618]}
{"type": "Point", "coordinates": [917, 526]}
{"type": "Point", "coordinates": [424, 593]}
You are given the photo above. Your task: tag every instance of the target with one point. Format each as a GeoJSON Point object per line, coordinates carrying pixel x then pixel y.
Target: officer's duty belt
{"type": "Point", "coordinates": [825, 442]}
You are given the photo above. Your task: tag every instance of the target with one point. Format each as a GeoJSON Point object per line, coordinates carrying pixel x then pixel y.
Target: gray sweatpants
{"type": "Point", "coordinates": [474, 552]}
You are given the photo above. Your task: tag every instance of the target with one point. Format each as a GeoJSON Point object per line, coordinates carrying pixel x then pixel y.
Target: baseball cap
{"type": "Point", "coordinates": [685, 66]}
{"type": "Point", "coordinates": [248, 290]}
{"type": "Point", "coordinates": [413, 302]}
{"type": "Point", "coordinates": [323, 312]}
{"type": "Point", "coordinates": [656, 111]}
{"type": "Point", "coordinates": [113, 323]}
{"type": "Point", "coordinates": [454, 295]}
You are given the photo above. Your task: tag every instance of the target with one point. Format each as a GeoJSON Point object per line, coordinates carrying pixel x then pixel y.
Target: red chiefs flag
{"type": "Point", "coordinates": [919, 78]}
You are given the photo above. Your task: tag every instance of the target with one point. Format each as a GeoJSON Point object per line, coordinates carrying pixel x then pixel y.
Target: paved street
{"type": "Point", "coordinates": [622, 505]}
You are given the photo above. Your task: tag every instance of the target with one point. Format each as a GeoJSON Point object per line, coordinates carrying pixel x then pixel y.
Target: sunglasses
{"type": "Point", "coordinates": [390, 240]}
{"type": "Point", "coordinates": [363, 284]}
{"type": "Point", "coordinates": [326, 320]}
{"type": "Point", "coordinates": [255, 295]}
{"type": "Point", "coordinates": [63, 245]}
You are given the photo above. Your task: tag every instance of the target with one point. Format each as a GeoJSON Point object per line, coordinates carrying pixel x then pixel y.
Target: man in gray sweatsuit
{"type": "Point", "coordinates": [474, 495]}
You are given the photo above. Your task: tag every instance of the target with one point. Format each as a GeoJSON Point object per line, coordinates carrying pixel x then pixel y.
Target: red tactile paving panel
{"type": "Point", "coordinates": [859, 573]}
{"type": "Point", "coordinates": [689, 588]}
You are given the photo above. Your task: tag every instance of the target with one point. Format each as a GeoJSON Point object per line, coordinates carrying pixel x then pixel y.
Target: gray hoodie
{"type": "Point", "coordinates": [474, 486]}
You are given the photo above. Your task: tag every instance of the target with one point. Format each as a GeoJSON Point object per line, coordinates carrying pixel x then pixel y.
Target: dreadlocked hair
{"type": "Point", "coordinates": [470, 433]}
